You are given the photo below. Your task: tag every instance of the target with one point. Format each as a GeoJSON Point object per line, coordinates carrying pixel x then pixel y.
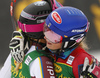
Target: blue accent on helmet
{"type": "Point", "coordinates": [74, 22]}
{"type": "Point", "coordinates": [57, 4]}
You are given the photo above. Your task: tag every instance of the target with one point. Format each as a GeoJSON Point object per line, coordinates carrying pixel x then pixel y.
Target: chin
{"type": "Point", "coordinates": [49, 46]}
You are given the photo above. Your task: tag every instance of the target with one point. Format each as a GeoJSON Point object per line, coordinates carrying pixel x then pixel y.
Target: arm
{"type": "Point", "coordinates": [18, 46]}
{"type": "Point", "coordinates": [79, 62]}
{"type": "Point", "coordinates": [5, 70]}
{"type": "Point", "coordinates": [42, 67]}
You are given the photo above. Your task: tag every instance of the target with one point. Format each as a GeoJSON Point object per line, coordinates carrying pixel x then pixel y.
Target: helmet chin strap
{"type": "Point", "coordinates": [63, 49]}
{"type": "Point", "coordinates": [68, 45]}
{"type": "Point", "coordinates": [57, 51]}
{"type": "Point", "coordinates": [71, 44]}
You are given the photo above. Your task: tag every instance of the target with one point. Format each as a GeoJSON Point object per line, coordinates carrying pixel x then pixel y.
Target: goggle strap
{"type": "Point", "coordinates": [31, 28]}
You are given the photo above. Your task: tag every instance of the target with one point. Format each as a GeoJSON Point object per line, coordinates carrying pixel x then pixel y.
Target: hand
{"type": "Point", "coordinates": [17, 46]}
{"type": "Point", "coordinates": [90, 70]}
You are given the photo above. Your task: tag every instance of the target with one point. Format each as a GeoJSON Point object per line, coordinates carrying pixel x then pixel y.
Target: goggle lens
{"type": "Point", "coordinates": [51, 36]}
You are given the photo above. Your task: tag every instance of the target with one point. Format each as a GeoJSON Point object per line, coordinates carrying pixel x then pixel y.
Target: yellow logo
{"type": "Point", "coordinates": [65, 36]}
{"type": "Point", "coordinates": [21, 75]}
{"type": "Point", "coordinates": [13, 71]}
{"type": "Point", "coordinates": [57, 68]}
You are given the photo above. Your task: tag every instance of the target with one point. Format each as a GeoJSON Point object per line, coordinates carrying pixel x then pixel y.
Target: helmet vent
{"type": "Point", "coordinates": [73, 11]}
{"type": "Point", "coordinates": [43, 12]}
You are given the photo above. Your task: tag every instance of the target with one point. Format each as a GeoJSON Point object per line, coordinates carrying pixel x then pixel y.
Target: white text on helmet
{"type": "Point", "coordinates": [82, 30]}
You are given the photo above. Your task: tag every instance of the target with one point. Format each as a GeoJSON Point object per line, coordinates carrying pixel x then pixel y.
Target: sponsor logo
{"type": "Point", "coordinates": [48, 62]}
{"type": "Point", "coordinates": [21, 75]}
{"type": "Point", "coordinates": [56, 17]}
{"type": "Point", "coordinates": [57, 68]}
{"type": "Point", "coordinates": [40, 21]}
{"type": "Point", "coordinates": [65, 36]}
{"type": "Point", "coordinates": [82, 30]}
{"type": "Point", "coordinates": [40, 3]}
{"type": "Point", "coordinates": [16, 42]}
{"type": "Point", "coordinates": [28, 60]}
{"type": "Point", "coordinates": [17, 73]}
{"type": "Point", "coordinates": [51, 71]}
{"type": "Point", "coordinates": [70, 60]}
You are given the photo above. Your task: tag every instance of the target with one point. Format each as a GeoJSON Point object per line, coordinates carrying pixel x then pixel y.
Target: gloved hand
{"type": "Point", "coordinates": [16, 46]}
{"type": "Point", "coordinates": [90, 71]}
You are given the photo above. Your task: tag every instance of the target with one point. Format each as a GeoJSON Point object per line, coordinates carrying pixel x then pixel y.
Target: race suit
{"type": "Point", "coordinates": [5, 70]}
{"type": "Point", "coordinates": [35, 65]}
{"type": "Point", "coordinates": [69, 64]}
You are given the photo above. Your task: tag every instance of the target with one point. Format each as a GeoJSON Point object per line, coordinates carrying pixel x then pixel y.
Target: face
{"type": "Point", "coordinates": [53, 40]}
{"type": "Point", "coordinates": [52, 46]}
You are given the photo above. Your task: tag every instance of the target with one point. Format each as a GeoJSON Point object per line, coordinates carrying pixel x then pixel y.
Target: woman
{"type": "Point", "coordinates": [34, 64]}
{"type": "Point", "coordinates": [33, 17]}
{"type": "Point", "coordinates": [64, 30]}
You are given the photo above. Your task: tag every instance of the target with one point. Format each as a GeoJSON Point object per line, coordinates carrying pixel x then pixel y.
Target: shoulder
{"type": "Point", "coordinates": [42, 66]}
{"type": "Point", "coordinates": [79, 55]}
{"type": "Point", "coordinates": [42, 60]}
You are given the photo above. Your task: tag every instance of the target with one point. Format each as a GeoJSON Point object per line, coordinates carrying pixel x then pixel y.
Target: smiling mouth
{"type": "Point", "coordinates": [49, 43]}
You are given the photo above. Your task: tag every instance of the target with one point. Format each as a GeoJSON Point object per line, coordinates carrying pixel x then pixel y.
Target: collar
{"type": "Point", "coordinates": [65, 54]}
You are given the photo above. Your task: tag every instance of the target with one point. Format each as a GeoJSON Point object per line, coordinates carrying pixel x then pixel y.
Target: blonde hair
{"type": "Point", "coordinates": [17, 66]}
{"type": "Point", "coordinates": [84, 45]}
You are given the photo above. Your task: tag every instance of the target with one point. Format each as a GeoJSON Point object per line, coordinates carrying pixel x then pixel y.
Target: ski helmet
{"type": "Point", "coordinates": [68, 25]}
{"type": "Point", "coordinates": [32, 18]}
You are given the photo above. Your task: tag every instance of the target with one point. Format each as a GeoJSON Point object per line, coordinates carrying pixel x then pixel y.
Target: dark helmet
{"type": "Point", "coordinates": [32, 19]}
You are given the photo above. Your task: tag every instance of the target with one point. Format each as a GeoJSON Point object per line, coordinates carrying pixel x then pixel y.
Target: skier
{"type": "Point", "coordinates": [32, 16]}
{"type": "Point", "coordinates": [64, 30]}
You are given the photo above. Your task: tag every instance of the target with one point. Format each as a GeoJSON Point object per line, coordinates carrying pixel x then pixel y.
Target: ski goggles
{"type": "Point", "coordinates": [51, 36]}
{"type": "Point", "coordinates": [30, 28]}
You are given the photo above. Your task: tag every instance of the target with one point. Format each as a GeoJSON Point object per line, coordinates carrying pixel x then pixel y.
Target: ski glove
{"type": "Point", "coordinates": [17, 46]}
{"type": "Point", "coordinates": [91, 71]}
